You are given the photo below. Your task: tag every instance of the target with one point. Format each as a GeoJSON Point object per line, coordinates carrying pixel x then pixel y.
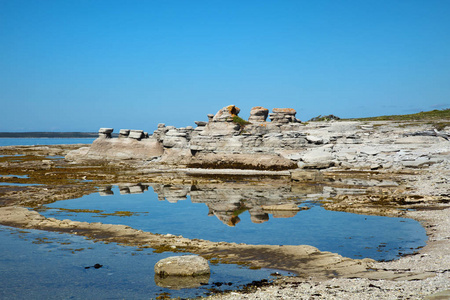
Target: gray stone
{"type": "Point", "coordinates": [314, 139]}
{"type": "Point", "coordinates": [442, 295]}
{"type": "Point", "coordinates": [185, 265]}
{"type": "Point", "coordinates": [416, 163]}
{"type": "Point", "coordinates": [176, 140]}
{"type": "Point", "coordinates": [369, 151]}
{"type": "Point", "coordinates": [283, 115]}
{"type": "Point", "coordinates": [226, 114]}
{"type": "Point", "coordinates": [319, 158]}
{"type": "Point", "coordinates": [123, 133]}
{"type": "Point", "coordinates": [200, 123]}
{"type": "Point", "coordinates": [175, 132]}
{"type": "Point", "coordinates": [258, 114]}
{"type": "Point", "coordinates": [136, 134]}
{"type": "Point", "coordinates": [105, 132]}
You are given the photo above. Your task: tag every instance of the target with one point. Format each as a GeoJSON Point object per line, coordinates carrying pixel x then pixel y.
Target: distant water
{"type": "Point", "coordinates": [43, 141]}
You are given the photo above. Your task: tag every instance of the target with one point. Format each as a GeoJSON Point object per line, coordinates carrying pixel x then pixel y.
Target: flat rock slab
{"type": "Point", "coordinates": [185, 265]}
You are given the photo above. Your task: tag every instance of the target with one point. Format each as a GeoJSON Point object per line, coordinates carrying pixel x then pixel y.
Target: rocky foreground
{"type": "Point", "coordinates": [393, 168]}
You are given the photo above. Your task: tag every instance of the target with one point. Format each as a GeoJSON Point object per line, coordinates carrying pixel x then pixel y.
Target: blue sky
{"type": "Point", "coordinates": [78, 65]}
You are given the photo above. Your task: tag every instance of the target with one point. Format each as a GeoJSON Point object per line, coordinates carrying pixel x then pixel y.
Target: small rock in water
{"type": "Point", "coordinates": [96, 266]}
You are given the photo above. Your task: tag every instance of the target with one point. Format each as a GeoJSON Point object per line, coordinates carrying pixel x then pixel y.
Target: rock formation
{"type": "Point", "coordinates": [226, 141]}
{"type": "Point", "coordinates": [283, 115]}
{"type": "Point", "coordinates": [226, 114]}
{"type": "Point", "coordinates": [258, 114]}
{"type": "Point", "coordinates": [105, 132]}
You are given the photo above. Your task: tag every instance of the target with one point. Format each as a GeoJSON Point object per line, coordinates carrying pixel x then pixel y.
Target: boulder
{"type": "Point", "coordinates": [136, 134]}
{"type": "Point", "coordinates": [226, 114]}
{"type": "Point", "coordinates": [221, 129]}
{"type": "Point", "coordinates": [314, 139]}
{"type": "Point", "coordinates": [283, 115]}
{"type": "Point", "coordinates": [200, 123]}
{"type": "Point", "coordinates": [123, 133]}
{"type": "Point", "coordinates": [318, 158]}
{"type": "Point", "coordinates": [105, 132]}
{"type": "Point", "coordinates": [118, 149]}
{"type": "Point", "coordinates": [258, 114]}
{"type": "Point", "coordinates": [185, 265]}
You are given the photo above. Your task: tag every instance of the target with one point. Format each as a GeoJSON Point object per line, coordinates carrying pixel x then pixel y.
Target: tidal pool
{"type": "Point", "coordinates": [46, 265]}
{"type": "Point", "coordinates": [238, 215]}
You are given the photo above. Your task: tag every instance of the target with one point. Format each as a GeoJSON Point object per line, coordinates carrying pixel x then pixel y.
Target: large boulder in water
{"type": "Point", "coordinates": [185, 265]}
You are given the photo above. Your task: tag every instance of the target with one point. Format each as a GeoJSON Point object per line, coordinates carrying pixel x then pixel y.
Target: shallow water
{"type": "Point", "coordinates": [14, 176]}
{"type": "Point", "coordinates": [19, 184]}
{"type": "Point", "coordinates": [45, 265]}
{"type": "Point", "coordinates": [225, 216]}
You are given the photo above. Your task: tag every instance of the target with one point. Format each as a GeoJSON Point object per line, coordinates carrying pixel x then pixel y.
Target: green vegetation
{"type": "Point", "coordinates": [240, 121]}
{"type": "Point", "coordinates": [421, 116]}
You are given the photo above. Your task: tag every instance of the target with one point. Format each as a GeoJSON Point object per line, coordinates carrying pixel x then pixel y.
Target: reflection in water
{"type": "Point", "coordinates": [181, 282]}
{"type": "Point", "coordinates": [251, 214]}
{"type": "Point", "coordinates": [227, 202]}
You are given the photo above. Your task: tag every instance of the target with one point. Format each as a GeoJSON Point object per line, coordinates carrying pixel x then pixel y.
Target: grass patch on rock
{"type": "Point", "coordinates": [421, 116]}
{"type": "Point", "coordinates": [240, 121]}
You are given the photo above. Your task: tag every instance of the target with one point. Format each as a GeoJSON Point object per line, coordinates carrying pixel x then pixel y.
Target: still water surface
{"type": "Point", "coordinates": [351, 235]}
{"type": "Point", "coordinates": [45, 265]}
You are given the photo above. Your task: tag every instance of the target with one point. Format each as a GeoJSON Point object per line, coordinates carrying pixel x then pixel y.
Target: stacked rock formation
{"type": "Point", "coordinates": [105, 132]}
{"type": "Point", "coordinates": [283, 115]}
{"type": "Point", "coordinates": [258, 114]}
{"type": "Point", "coordinates": [123, 133]}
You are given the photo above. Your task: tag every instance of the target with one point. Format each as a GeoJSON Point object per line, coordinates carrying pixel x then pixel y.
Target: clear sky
{"type": "Point", "coordinates": [78, 65]}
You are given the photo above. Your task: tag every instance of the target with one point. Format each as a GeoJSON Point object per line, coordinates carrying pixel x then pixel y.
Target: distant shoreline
{"type": "Point", "coordinates": [48, 134]}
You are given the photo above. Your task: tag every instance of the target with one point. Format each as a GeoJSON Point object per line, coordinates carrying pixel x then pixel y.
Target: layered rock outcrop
{"type": "Point", "coordinates": [227, 141]}
{"type": "Point", "coordinates": [258, 114]}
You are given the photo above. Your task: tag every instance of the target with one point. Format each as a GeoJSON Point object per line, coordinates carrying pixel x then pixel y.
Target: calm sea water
{"type": "Point", "coordinates": [42, 141]}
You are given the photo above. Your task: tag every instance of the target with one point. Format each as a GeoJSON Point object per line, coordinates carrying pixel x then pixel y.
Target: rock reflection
{"type": "Point", "coordinates": [227, 202]}
{"type": "Point", "coordinates": [105, 190]}
{"type": "Point", "coordinates": [181, 282]}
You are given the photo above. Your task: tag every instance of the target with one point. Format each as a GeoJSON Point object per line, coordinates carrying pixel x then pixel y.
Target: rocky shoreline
{"type": "Point", "coordinates": [379, 168]}
{"type": "Point", "coordinates": [433, 259]}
